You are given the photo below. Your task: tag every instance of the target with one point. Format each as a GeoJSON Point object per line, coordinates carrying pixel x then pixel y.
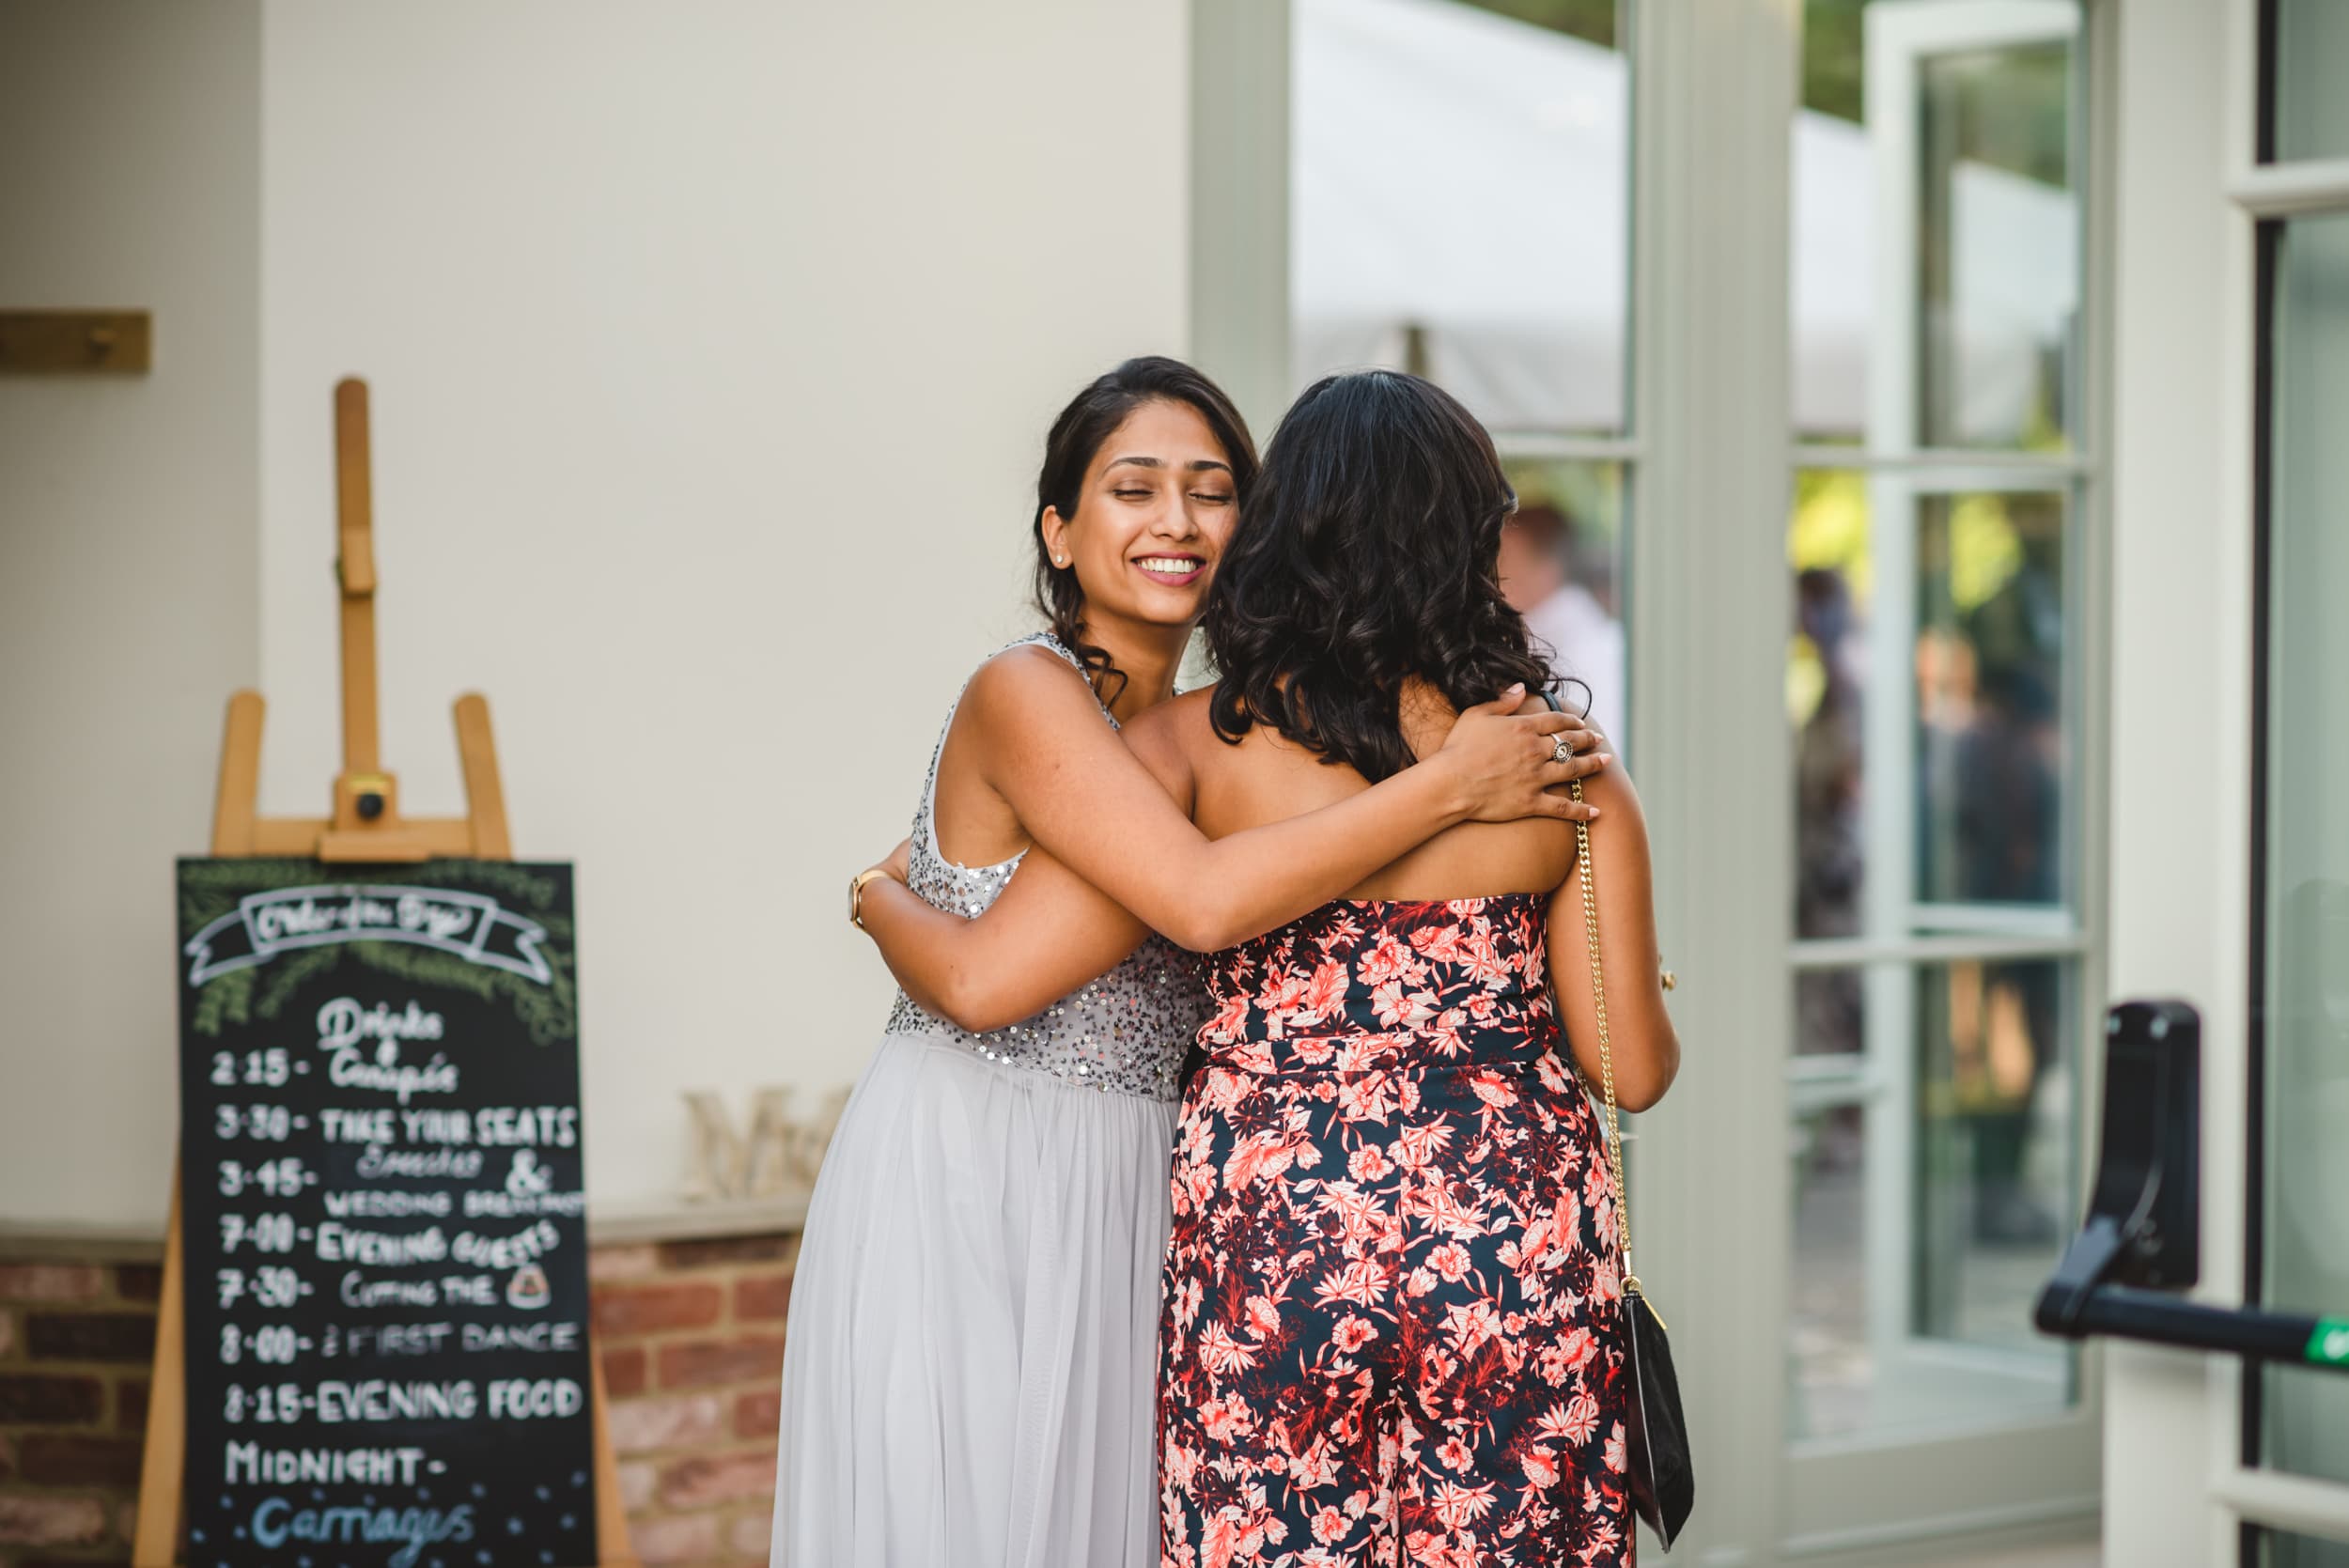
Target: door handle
{"type": "Point", "coordinates": [2143, 1237]}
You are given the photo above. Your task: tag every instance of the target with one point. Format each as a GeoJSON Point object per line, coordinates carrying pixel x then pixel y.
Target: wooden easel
{"type": "Point", "coordinates": [366, 826]}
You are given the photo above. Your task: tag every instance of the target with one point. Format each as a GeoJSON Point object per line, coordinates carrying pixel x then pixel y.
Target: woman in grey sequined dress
{"type": "Point", "coordinates": [969, 1376]}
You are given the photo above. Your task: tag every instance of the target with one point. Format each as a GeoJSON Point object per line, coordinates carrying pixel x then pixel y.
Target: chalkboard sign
{"type": "Point", "coordinates": [386, 1263]}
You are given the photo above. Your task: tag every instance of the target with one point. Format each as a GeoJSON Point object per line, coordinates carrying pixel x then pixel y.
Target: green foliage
{"type": "Point", "coordinates": [1833, 65]}
{"type": "Point", "coordinates": [210, 889]}
{"type": "Point", "coordinates": [228, 1000]}
{"type": "Point", "coordinates": [1592, 21]}
{"type": "Point", "coordinates": [282, 979]}
{"type": "Point", "coordinates": [549, 1012]}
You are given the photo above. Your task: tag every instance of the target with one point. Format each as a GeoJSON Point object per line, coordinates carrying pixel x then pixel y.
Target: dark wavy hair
{"type": "Point", "coordinates": [1090, 419]}
{"type": "Point", "coordinates": [1367, 557]}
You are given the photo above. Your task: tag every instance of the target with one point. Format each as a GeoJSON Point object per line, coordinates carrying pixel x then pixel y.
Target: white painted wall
{"type": "Point", "coordinates": [129, 144]}
{"type": "Point", "coordinates": [711, 351]}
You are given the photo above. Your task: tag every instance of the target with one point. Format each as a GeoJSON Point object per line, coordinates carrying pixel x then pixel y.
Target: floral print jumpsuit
{"type": "Point", "coordinates": [1391, 1322]}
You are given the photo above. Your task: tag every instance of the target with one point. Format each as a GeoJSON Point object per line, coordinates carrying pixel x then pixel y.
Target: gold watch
{"type": "Point", "coordinates": [856, 893]}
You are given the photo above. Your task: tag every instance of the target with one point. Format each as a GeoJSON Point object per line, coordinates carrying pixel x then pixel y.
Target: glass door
{"type": "Point", "coordinates": [2296, 1419]}
{"type": "Point", "coordinates": [1940, 543]}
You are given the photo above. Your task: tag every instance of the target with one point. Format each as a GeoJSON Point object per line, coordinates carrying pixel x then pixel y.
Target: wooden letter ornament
{"type": "Point", "coordinates": [781, 1153]}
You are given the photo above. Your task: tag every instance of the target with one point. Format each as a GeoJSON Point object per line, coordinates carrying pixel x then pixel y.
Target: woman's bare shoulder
{"type": "Point", "coordinates": [1025, 683]}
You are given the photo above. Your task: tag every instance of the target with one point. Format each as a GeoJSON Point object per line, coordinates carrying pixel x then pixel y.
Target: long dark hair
{"type": "Point", "coordinates": [1368, 557]}
{"type": "Point", "coordinates": [1090, 419]}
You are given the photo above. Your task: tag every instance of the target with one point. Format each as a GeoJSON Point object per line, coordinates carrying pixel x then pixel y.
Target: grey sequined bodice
{"type": "Point", "coordinates": [1125, 1033]}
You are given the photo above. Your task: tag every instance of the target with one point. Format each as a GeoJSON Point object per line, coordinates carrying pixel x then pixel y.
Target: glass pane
{"type": "Point", "coordinates": [1961, 820]}
{"type": "Point", "coordinates": [1461, 202]}
{"type": "Point", "coordinates": [1831, 1013]}
{"type": "Point", "coordinates": [2307, 1223]}
{"type": "Point", "coordinates": [1828, 1357]}
{"type": "Point", "coordinates": [1994, 1109]}
{"type": "Point", "coordinates": [2277, 1549]}
{"type": "Point", "coordinates": [1990, 683]}
{"type": "Point", "coordinates": [1930, 1200]}
{"type": "Point", "coordinates": [1936, 277]}
{"type": "Point", "coordinates": [2311, 60]}
{"type": "Point", "coordinates": [1560, 559]}
{"type": "Point", "coordinates": [1998, 269]}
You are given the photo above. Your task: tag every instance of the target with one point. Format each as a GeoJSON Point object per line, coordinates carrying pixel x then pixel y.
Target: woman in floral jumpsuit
{"type": "Point", "coordinates": [1393, 1323]}
{"type": "Point", "coordinates": [1392, 1294]}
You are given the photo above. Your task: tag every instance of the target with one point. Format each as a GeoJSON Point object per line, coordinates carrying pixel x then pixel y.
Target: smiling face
{"type": "Point", "coordinates": [1156, 508]}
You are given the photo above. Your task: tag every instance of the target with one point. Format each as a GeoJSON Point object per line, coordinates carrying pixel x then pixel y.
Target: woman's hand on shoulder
{"type": "Point", "coordinates": [1507, 765]}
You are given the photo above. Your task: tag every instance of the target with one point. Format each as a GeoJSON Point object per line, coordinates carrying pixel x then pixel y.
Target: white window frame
{"type": "Point", "coordinates": [1900, 474]}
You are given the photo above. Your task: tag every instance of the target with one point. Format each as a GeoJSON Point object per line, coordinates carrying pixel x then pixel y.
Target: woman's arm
{"type": "Point", "coordinates": [1640, 1029]}
{"type": "Point", "coordinates": [1049, 933]}
{"type": "Point", "coordinates": [1092, 805]}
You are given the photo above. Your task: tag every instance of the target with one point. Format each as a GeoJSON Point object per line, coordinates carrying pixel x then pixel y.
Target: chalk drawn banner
{"type": "Point", "coordinates": [264, 925]}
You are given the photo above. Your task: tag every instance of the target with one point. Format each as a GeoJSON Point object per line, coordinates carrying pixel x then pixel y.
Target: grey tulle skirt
{"type": "Point", "coordinates": [968, 1372]}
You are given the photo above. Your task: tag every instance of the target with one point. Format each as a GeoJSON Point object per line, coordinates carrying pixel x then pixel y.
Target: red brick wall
{"type": "Point", "coordinates": [691, 1337]}
{"type": "Point", "coordinates": [691, 1333]}
{"type": "Point", "coordinates": [75, 1341]}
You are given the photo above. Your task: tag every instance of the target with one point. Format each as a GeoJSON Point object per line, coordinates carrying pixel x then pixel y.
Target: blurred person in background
{"type": "Point", "coordinates": [2005, 787]}
{"type": "Point", "coordinates": [1560, 580]}
{"type": "Point", "coordinates": [1989, 825]}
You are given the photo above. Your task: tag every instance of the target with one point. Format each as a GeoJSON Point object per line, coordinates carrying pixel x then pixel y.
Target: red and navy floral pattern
{"type": "Point", "coordinates": [1392, 1325]}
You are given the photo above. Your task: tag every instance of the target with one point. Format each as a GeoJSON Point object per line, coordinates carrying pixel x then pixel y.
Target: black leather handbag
{"type": "Point", "coordinates": [1663, 1482]}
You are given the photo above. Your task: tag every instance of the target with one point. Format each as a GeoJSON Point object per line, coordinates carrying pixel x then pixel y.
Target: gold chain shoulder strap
{"type": "Point", "coordinates": [1606, 1049]}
